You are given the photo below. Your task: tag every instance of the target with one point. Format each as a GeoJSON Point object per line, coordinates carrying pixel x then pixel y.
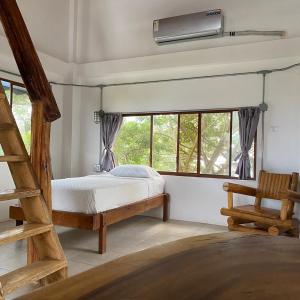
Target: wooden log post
{"type": "Point", "coordinates": [230, 200]}
{"type": "Point", "coordinates": [284, 209]}
{"type": "Point", "coordinates": [40, 152]}
{"type": "Point", "coordinates": [275, 231]}
{"type": "Point", "coordinates": [231, 221]}
{"type": "Point", "coordinates": [41, 161]}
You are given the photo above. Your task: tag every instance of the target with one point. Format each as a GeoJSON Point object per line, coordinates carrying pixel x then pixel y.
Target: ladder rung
{"type": "Point", "coordinates": [7, 126]}
{"type": "Point", "coordinates": [23, 232]}
{"type": "Point", "coordinates": [30, 273]}
{"type": "Point", "coordinates": [18, 194]}
{"type": "Point", "coordinates": [12, 158]}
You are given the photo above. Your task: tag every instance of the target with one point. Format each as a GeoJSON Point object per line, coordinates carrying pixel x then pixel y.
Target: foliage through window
{"type": "Point", "coordinates": [21, 107]}
{"type": "Point", "coordinates": [193, 144]}
{"type": "Point", "coordinates": [215, 143]}
{"type": "Point", "coordinates": [133, 143]}
{"type": "Point", "coordinates": [188, 143]}
{"type": "Point", "coordinates": [164, 142]}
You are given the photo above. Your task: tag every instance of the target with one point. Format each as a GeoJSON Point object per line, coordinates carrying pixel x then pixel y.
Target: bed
{"type": "Point", "coordinates": [97, 201]}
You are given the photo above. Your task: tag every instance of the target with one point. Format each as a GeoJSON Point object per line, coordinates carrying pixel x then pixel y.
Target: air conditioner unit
{"type": "Point", "coordinates": [197, 25]}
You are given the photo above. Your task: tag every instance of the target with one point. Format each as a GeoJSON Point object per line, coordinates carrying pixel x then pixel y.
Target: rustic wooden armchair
{"type": "Point", "coordinates": [263, 220]}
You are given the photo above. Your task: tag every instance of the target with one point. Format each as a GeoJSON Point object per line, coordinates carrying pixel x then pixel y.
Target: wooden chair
{"type": "Point", "coordinates": [280, 187]}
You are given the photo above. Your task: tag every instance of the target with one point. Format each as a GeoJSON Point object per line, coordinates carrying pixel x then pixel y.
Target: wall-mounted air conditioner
{"type": "Point", "coordinates": [206, 24]}
{"type": "Point", "coordinates": [197, 25]}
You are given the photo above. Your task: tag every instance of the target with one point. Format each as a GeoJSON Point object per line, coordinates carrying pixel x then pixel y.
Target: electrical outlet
{"type": "Point", "coordinates": [97, 168]}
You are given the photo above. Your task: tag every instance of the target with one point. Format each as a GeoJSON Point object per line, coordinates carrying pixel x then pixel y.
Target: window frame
{"type": "Point", "coordinates": [12, 84]}
{"type": "Point", "coordinates": [199, 113]}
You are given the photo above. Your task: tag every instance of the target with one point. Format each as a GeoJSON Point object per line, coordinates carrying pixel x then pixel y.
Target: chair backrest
{"type": "Point", "coordinates": [271, 184]}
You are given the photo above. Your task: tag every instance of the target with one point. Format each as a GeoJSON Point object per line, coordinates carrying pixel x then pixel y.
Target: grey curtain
{"type": "Point", "coordinates": [248, 121]}
{"type": "Point", "coordinates": [111, 124]}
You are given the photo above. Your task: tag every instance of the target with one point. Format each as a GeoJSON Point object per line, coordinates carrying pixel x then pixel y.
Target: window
{"type": "Point", "coordinates": [215, 143]}
{"type": "Point", "coordinates": [6, 86]}
{"type": "Point", "coordinates": [21, 108]}
{"type": "Point", "coordinates": [133, 143]}
{"type": "Point", "coordinates": [164, 142]}
{"type": "Point", "coordinates": [188, 143]}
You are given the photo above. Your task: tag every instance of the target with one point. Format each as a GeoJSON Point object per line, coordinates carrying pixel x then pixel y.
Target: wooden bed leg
{"type": "Point", "coordinates": [102, 239]}
{"type": "Point", "coordinates": [19, 222]}
{"type": "Point", "coordinates": [102, 235]}
{"type": "Point", "coordinates": [166, 208]}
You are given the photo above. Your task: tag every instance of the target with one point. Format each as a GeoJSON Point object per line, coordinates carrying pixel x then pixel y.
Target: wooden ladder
{"type": "Point", "coordinates": [50, 256]}
{"type": "Point", "coordinates": [32, 178]}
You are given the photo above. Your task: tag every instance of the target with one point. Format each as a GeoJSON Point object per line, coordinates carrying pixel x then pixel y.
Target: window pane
{"type": "Point", "coordinates": [188, 143]}
{"type": "Point", "coordinates": [215, 143]}
{"type": "Point", "coordinates": [22, 112]}
{"type": "Point", "coordinates": [236, 147]}
{"type": "Point", "coordinates": [6, 86]}
{"type": "Point", "coordinates": [133, 142]}
{"type": "Point", "coordinates": [165, 142]}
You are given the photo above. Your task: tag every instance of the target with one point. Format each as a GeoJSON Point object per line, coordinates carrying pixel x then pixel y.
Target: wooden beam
{"type": "Point", "coordinates": [239, 189]}
{"type": "Point", "coordinates": [41, 162]}
{"type": "Point", "coordinates": [26, 57]}
{"type": "Point", "coordinates": [40, 152]}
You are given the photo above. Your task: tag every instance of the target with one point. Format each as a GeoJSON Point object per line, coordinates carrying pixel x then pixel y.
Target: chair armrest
{"type": "Point", "coordinates": [290, 195]}
{"type": "Point", "coordinates": [239, 189]}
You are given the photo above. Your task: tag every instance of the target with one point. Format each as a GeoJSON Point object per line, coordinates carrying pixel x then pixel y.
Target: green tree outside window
{"type": "Point", "coordinates": [175, 145]}
{"type": "Point", "coordinates": [21, 108]}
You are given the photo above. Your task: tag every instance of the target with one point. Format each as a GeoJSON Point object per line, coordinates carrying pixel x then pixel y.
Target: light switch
{"type": "Point", "coordinates": [274, 128]}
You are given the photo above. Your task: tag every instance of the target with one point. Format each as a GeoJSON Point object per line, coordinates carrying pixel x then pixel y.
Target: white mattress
{"type": "Point", "coordinates": [98, 193]}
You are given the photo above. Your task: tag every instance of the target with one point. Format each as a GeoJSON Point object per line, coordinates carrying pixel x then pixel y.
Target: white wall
{"type": "Point", "coordinates": [114, 29]}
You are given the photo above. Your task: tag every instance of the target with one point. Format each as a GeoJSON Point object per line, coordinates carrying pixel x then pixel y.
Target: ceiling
{"type": "Point", "coordinates": [99, 30]}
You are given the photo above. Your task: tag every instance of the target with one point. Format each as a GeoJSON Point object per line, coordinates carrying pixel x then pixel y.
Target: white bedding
{"type": "Point", "coordinates": [98, 193]}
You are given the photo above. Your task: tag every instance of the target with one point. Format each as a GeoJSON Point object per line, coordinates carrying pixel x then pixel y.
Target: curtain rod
{"type": "Point", "coordinates": [264, 71]}
{"type": "Point", "coordinates": [190, 111]}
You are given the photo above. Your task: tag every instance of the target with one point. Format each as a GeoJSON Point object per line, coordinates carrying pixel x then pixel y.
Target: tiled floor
{"type": "Point", "coordinates": [129, 236]}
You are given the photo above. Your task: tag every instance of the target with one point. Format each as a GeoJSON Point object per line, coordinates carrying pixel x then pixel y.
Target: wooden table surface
{"type": "Point", "coordinates": [218, 266]}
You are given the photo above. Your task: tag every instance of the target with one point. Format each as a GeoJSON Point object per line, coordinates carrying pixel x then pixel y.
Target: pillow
{"type": "Point", "coordinates": [134, 171]}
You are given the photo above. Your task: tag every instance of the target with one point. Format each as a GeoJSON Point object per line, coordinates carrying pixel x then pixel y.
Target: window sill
{"type": "Point", "coordinates": [202, 175]}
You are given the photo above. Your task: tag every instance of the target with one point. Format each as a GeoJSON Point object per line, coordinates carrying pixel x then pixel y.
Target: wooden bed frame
{"type": "Point", "coordinates": [100, 221]}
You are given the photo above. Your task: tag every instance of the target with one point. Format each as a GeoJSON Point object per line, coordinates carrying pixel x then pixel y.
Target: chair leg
{"type": "Point", "coordinates": [261, 226]}
{"type": "Point", "coordinates": [275, 231]}
{"type": "Point", "coordinates": [237, 221]}
{"type": "Point", "coordinates": [295, 230]}
{"type": "Point", "coordinates": [246, 229]}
